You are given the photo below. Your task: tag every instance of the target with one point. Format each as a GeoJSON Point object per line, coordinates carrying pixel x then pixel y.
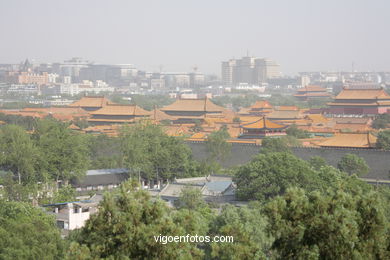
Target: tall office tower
{"type": "Point", "coordinates": [243, 71]}
{"type": "Point", "coordinates": [249, 70]}
{"type": "Point", "coordinates": [266, 69]}
{"type": "Point", "coordinates": [227, 72]}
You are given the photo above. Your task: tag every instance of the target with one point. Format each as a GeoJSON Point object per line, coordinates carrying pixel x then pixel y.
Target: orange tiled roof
{"type": "Point", "coordinates": [288, 108]}
{"type": "Point", "coordinates": [248, 119]}
{"type": "Point", "coordinates": [193, 105]}
{"type": "Point", "coordinates": [128, 110]}
{"type": "Point", "coordinates": [23, 113]}
{"type": "Point", "coordinates": [353, 140]}
{"type": "Point", "coordinates": [113, 121]}
{"type": "Point", "coordinates": [261, 104]}
{"type": "Point", "coordinates": [285, 114]}
{"type": "Point", "coordinates": [317, 118]}
{"type": "Point", "coordinates": [90, 101]}
{"type": "Point", "coordinates": [363, 94]}
{"type": "Point", "coordinates": [263, 123]}
{"type": "Point", "coordinates": [158, 115]}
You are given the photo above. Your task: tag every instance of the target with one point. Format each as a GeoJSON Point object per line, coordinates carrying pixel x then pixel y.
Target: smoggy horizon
{"type": "Point", "coordinates": [177, 36]}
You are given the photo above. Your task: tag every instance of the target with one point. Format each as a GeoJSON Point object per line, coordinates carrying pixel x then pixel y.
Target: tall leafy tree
{"type": "Point", "coordinates": [217, 144]}
{"type": "Point", "coordinates": [126, 225]}
{"type": "Point", "coordinates": [383, 140]}
{"type": "Point", "coordinates": [18, 153]}
{"type": "Point", "coordinates": [294, 131]}
{"type": "Point", "coordinates": [146, 148]}
{"type": "Point", "coordinates": [27, 232]}
{"type": "Point", "coordinates": [270, 174]}
{"type": "Point", "coordinates": [353, 164]}
{"type": "Point", "coordinates": [334, 225]}
{"type": "Point", "coordinates": [248, 227]}
{"type": "Point", "coordinates": [65, 152]}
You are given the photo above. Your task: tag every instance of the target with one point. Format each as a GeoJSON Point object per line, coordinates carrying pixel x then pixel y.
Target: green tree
{"type": "Point", "coordinates": [280, 144]}
{"type": "Point", "coordinates": [294, 131]}
{"type": "Point", "coordinates": [269, 175]}
{"type": "Point", "coordinates": [18, 154]}
{"type": "Point", "coordinates": [27, 232]}
{"type": "Point", "coordinates": [217, 144]}
{"type": "Point", "coordinates": [145, 147]}
{"type": "Point", "coordinates": [316, 162]}
{"type": "Point", "coordinates": [381, 122]}
{"type": "Point", "coordinates": [104, 151]}
{"type": "Point", "coordinates": [65, 152]}
{"type": "Point", "coordinates": [126, 225]}
{"type": "Point", "coordinates": [383, 140]}
{"type": "Point", "coordinates": [247, 226]}
{"type": "Point", "coordinates": [353, 164]}
{"type": "Point", "coordinates": [190, 198]}
{"type": "Point", "coordinates": [334, 225]}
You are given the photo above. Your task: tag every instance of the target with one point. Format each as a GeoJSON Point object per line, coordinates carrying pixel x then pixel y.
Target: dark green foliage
{"type": "Point", "coordinates": [217, 144]}
{"type": "Point", "coordinates": [27, 232]}
{"type": "Point", "coordinates": [383, 140]}
{"type": "Point", "coordinates": [269, 175]}
{"type": "Point", "coordinates": [105, 152]}
{"type": "Point", "coordinates": [65, 152]}
{"type": "Point", "coordinates": [26, 122]}
{"type": "Point", "coordinates": [18, 154]}
{"type": "Point", "coordinates": [294, 131]}
{"type": "Point", "coordinates": [332, 225]}
{"type": "Point", "coordinates": [353, 164]}
{"type": "Point", "coordinates": [316, 162]}
{"type": "Point", "coordinates": [381, 122]}
{"type": "Point", "coordinates": [269, 145]}
{"type": "Point", "coordinates": [248, 228]}
{"type": "Point", "coordinates": [81, 123]}
{"type": "Point", "coordinates": [190, 198]}
{"type": "Point", "coordinates": [278, 144]}
{"type": "Point", "coordinates": [125, 226]}
{"type": "Point", "coordinates": [147, 148]}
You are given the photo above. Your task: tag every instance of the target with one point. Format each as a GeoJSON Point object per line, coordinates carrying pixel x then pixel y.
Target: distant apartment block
{"type": "Point", "coordinates": [33, 78]}
{"type": "Point", "coordinates": [249, 70]}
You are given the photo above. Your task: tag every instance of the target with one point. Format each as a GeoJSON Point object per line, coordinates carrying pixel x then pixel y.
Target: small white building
{"type": "Point", "coordinates": [73, 215]}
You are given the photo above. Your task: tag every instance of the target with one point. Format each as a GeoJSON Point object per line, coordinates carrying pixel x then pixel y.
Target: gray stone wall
{"type": "Point", "coordinates": [377, 160]}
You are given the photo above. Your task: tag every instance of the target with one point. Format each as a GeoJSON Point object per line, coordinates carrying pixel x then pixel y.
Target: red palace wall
{"type": "Point", "coordinates": [355, 110]}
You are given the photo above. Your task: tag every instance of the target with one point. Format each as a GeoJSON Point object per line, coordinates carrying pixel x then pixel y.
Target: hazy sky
{"type": "Point", "coordinates": [302, 35]}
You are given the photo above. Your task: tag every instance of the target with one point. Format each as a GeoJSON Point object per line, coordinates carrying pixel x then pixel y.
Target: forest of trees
{"type": "Point", "coordinates": [291, 208]}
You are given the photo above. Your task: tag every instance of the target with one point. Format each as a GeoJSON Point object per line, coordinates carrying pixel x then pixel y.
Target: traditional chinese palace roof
{"type": "Point", "coordinates": [264, 124]}
{"type": "Point", "coordinates": [193, 105]}
{"type": "Point", "coordinates": [351, 140]}
{"type": "Point", "coordinates": [91, 102]}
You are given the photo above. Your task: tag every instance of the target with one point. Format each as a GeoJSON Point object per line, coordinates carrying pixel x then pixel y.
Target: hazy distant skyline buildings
{"type": "Point", "coordinates": [301, 35]}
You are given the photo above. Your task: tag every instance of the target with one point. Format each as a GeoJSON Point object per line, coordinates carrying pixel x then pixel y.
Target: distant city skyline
{"type": "Point", "coordinates": [302, 35]}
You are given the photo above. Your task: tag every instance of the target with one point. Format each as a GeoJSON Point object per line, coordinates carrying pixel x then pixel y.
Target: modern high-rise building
{"type": "Point", "coordinates": [249, 70]}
